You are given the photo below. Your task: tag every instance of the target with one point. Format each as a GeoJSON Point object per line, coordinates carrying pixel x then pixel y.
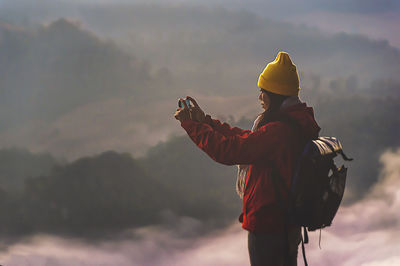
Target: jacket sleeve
{"type": "Point", "coordinates": [225, 128]}
{"type": "Point", "coordinates": [247, 148]}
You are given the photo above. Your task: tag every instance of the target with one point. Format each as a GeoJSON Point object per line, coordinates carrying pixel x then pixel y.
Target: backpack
{"type": "Point", "coordinates": [317, 186]}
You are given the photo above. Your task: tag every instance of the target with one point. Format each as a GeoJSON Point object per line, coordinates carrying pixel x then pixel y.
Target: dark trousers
{"type": "Point", "coordinates": [270, 249]}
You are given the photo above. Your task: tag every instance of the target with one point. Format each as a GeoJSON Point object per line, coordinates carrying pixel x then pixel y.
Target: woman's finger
{"type": "Point", "coordinates": [184, 104]}
{"type": "Point", "coordinates": [193, 101]}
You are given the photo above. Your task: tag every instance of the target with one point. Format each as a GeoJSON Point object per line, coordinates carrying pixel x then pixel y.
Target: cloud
{"type": "Point", "coordinates": [151, 247]}
{"type": "Point", "coordinates": [212, 54]}
{"type": "Point", "coordinates": [70, 92]}
{"type": "Point", "coordinates": [48, 72]}
{"type": "Point", "coordinates": [379, 209]}
{"type": "Point", "coordinates": [117, 124]}
{"type": "Point", "coordinates": [380, 26]}
{"type": "Point", "coordinates": [360, 235]}
{"type": "Point", "coordinates": [144, 246]}
{"type": "Point", "coordinates": [366, 233]}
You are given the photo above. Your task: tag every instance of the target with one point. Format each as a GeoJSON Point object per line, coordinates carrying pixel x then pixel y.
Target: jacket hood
{"type": "Point", "coordinates": [304, 117]}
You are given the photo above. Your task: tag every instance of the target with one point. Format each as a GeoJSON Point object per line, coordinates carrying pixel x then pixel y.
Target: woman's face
{"type": "Point", "coordinates": [264, 99]}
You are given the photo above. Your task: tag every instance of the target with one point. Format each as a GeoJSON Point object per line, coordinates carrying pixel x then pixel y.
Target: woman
{"type": "Point", "coordinates": [274, 145]}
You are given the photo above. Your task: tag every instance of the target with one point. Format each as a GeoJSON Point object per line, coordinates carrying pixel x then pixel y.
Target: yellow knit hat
{"type": "Point", "coordinates": [280, 76]}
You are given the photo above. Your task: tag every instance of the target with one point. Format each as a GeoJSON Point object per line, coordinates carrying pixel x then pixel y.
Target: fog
{"type": "Point", "coordinates": [94, 169]}
{"type": "Point", "coordinates": [108, 78]}
{"type": "Point", "coordinates": [377, 19]}
{"type": "Point", "coordinates": [365, 233]}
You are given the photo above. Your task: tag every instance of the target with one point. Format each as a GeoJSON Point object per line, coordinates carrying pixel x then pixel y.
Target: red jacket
{"type": "Point", "coordinates": [275, 143]}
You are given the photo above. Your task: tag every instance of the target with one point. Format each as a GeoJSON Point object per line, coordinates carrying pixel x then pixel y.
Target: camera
{"type": "Point", "coordinates": [187, 101]}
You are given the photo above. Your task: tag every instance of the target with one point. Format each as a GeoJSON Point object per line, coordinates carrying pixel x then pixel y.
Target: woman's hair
{"type": "Point", "coordinates": [270, 114]}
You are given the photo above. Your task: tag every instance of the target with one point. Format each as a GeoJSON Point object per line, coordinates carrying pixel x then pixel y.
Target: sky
{"type": "Point", "coordinates": [375, 18]}
{"type": "Point", "coordinates": [193, 56]}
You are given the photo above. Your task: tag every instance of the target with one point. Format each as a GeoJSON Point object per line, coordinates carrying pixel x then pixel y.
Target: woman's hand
{"type": "Point", "coordinates": [182, 114]}
{"type": "Point", "coordinates": [196, 113]}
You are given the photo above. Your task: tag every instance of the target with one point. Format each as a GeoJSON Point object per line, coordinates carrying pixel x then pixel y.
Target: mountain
{"type": "Point", "coordinates": [49, 71]}
{"type": "Point", "coordinates": [17, 165]}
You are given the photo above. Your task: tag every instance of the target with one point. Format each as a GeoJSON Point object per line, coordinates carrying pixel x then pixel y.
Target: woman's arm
{"type": "Point", "coordinates": [225, 128]}
{"type": "Point", "coordinates": [247, 148]}
{"type": "Point", "coordinates": [198, 115]}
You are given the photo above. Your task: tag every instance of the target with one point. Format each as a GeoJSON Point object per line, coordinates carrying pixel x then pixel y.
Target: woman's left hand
{"type": "Point", "coordinates": [196, 113]}
{"type": "Point", "coordinates": [182, 114]}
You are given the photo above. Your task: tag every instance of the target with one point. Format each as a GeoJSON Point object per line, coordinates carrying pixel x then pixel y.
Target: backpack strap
{"type": "Point", "coordinates": [344, 156]}
{"type": "Point", "coordinates": [303, 250]}
{"type": "Point", "coordinates": [333, 150]}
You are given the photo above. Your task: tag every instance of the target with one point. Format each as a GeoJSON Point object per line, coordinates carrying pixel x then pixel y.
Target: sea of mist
{"type": "Point", "coordinates": [364, 233]}
{"type": "Point", "coordinates": [94, 169]}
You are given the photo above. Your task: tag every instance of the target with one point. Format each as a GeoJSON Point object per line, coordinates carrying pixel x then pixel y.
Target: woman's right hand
{"type": "Point", "coordinates": [195, 111]}
{"type": "Point", "coordinates": [182, 114]}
